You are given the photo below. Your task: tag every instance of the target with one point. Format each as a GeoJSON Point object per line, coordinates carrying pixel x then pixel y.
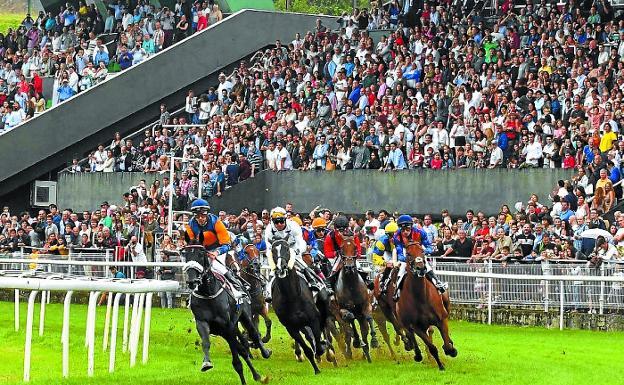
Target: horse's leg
{"type": "Point", "coordinates": [204, 332]}
{"type": "Point", "coordinates": [374, 341]}
{"type": "Point", "coordinates": [449, 348]}
{"type": "Point", "coordinates": [364, 330]}
{"type": "Point", "coordinates": [244, 341]}
{"type": "Point", "coordinates": [306, 349]}
{"type": "Point", "coordinates": [412, 339]}
{"type": "Point", "coordinates": [381, 324]}
{"type": "Point", "coordinates": [319, 344]}
{"type": "Point", "coordinates": [244, 352]}
{"type": "Point", "coordinates": [253, 334]}
{"type": "Point", "coordinates": [432, 348]}
{"type": "Point", "coordinates": [357, 342]}
{"type": "Point", "coordinates": [267, 323]}
{"type": "Point", "coordinates": [329, 352]}
{"type": "Point", "coordinates": [348, 333]}
{"type": "Point", "coordinates": [230, 337]}
{"type": "Point", "coordinates": [298, 355]}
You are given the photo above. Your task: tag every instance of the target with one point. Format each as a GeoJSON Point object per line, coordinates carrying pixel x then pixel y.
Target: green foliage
{"type": "Point", "coordinates": [506, 355]}
{"type": "Point", "coordinates": [327, 7]}
{"type": "Point", "coordinates": [10, 20]}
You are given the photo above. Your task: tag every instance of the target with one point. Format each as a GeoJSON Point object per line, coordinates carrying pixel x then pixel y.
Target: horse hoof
{"type": "Point", "coordinates": [418, 357]}
{"type": "Point", "coordinates": [316, 371]}
{"type": "Point", "coordinates": [374, 343]}
{"type": "Point", "coordinates": [368, 357]}
{"type": "Point", "coordinates": [397, 340]}
{"type": "Point", "coordinates": [264, 379]}
{"type": "Point", "coordinates": [441, 367]}
{"type": "Point", "coordinates": [207, 366]}
{"type": "Point", "coordinates": [266, 353]}
{"type": "Point", "coordinates": [357, 343]}
{"type": "Point", "coordinates": [266, 339]}
{"type": "Point", "coordinates": [299, 358]}
{"type": "Point", "coordinates": [452, 352]}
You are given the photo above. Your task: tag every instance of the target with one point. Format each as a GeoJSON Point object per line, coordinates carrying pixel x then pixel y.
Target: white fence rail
{"type": "Point", "coordinates": [548, 286]}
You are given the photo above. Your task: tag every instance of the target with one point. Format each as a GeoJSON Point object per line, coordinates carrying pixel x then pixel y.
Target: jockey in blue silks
{"type": "Point", "coordinates": [407, 233]}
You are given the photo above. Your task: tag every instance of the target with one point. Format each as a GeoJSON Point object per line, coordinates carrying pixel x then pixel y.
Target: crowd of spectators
{"type": "Point", "coordinates": [540, 86]}
{"type": "Point", "coordinates": [71, 46]}
{"type": "Point", "coordinates": [548, 229]}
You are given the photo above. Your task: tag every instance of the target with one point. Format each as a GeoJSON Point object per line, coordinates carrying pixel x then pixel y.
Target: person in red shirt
{"type": "Point", "coordinates": [331, 248]}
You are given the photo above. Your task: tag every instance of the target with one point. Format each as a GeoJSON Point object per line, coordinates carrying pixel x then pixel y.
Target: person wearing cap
{"type": "Point", "coordinates": [332, 245]}
{"type": "Point", "coordinates": [409, 232]}
{"type": "Point", "coordinates": [384, 253]}
{"type": "Point", "coordinates": [65, 91]}
{"type": "Point", "coordinates": [281, 227]}
{"type": "Point", "coordinates": [209, 231]}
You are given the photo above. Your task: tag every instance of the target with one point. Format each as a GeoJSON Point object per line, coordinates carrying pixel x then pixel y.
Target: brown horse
{"type": "Point", "coordinates": [387, 307]}
{"type": "Point", "coordinates": [422, 306]}
{"type": "Point", "coordinates": [250, 272]}
{"type": "Point", "coordinates": [353, 299]}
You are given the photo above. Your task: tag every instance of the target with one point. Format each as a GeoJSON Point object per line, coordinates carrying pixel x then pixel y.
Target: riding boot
{"type": "Point", "coordinates": [236, 283]}
{"type": "Point", "coordinates": [385, 280]}
{"type": "Point", "coordinates": [440, 285]}
{"type": "Point", "coordinates": [331, 280]}
{"type": "Point", "coordinates": [397, 292]}
{"type": "Point", "coordinates": [313, 281]}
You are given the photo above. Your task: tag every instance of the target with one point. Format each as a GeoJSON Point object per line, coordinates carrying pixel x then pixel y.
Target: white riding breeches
{"type": "Point", "coordinates": [218, 266]}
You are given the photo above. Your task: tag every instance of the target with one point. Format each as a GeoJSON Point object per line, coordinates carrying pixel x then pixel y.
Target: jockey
{"type": "Point", "coordinates": [407, 233]}
{"type": "Point", "coordinates": [283, 228]}
{"type": "Point", "coordinates": [385, 251]}
{"type": "Point", "coordinates": [314, 238]}
{"type": "Point", "coordinates": [331, 247]}
{"type": "Point", "coordinates": [208, 230]}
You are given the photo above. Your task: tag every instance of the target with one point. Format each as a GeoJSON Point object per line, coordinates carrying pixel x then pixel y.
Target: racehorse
{"type": "Point", "coordinates": [217, 312]}
{"type": "Point", "coordinates": [295, 306]}
{"type": "Point", "coordinates": [387, 307]}
{"type": "Point", "coordinates": [421, 306]}
{"type": "Point", "coordinates": [353, 299]}
{"type": "Point", "coordinates": [250, 272]}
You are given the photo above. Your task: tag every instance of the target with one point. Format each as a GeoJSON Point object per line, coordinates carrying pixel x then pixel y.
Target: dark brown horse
{"type": "Point", "coordinates": [422, 306]}
{"type": "Point", "coordinates": [353, 299]}
{"type": "Point", "coordinates": [250, 272]}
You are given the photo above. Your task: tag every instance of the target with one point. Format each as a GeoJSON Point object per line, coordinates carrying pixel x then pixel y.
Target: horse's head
{"type": "Point", "coordinates": [348, 249]}
{"type": "Point", "coordinates": [415, 259]}
{"type": "Point", "coordinates": [282, 257]}
{"type": "Point", "coordinates": [197, 264]}
{"type": "Point", "coordinates": [252, 258]}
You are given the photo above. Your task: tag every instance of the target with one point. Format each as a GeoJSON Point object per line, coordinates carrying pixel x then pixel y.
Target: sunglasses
{"type": "Point", "coordinates": [406, 227]}
{"type": "Point", "coordinates": [319, 229]}
{"type": "Point", "coordinates": [278, 221]}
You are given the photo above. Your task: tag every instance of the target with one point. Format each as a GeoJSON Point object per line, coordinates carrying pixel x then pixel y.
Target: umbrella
{"type": "Point", "coordinates": [595, 233]}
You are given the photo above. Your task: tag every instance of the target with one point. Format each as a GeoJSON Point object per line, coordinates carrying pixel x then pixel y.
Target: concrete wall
{"type": "Point", "coordinates": [86, 191]}
{"type": "Point", "coordinates": [416, 191]}
{"type": "Point", "coordinates": [131, 99]}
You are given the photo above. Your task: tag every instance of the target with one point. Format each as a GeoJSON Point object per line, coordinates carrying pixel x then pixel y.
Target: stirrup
{"type": "Point", "coordinates": [396, 295]}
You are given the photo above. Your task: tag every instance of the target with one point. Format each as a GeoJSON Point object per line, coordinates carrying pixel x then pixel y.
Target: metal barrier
{"type": "Point", "coordinates": [549, 285]}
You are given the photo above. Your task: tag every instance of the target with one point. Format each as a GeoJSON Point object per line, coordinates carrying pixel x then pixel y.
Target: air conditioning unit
{"type": "Point", "coordinates": [43, 193]}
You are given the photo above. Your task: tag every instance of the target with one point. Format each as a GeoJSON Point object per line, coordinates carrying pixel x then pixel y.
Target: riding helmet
{"type": "Point", "coordinates": [405, 220]}
{"type": "Point", "coordinates": [200, 206]}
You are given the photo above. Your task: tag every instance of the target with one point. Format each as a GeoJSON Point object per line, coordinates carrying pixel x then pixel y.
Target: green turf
{"type": "Point", "coordinates": [10, 20]}
{"type": "Point", "coordinates": [487, 355]}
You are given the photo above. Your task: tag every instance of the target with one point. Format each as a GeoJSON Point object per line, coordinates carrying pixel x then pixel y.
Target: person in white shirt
{"type": "Point", "coordinates": [533, 153]}
{"type": "Point", "coordinates": [284, 162]}
{"type": "Point", "coordinates": [496, 157]}
{"type": "Point", "coordinates": [135, 250]}
{"type": "Point", "coordinates": [271, 157]}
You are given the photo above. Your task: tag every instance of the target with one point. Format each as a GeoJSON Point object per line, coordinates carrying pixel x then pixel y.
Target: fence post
{"type": "Point", "coordinates": [490, 293]}
{"type": "Point", "coordinates": [546, 291]}
{"type": "Point", "coordinates": [602, 288]}
{"type": "Point", "coordinates": [107, 272]}
{"type": "Point", "coordinates": [69, 258]}
{"type": "Point", "coordinates": [561, 300]}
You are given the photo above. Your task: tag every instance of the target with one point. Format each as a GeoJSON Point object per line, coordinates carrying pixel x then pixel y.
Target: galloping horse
{"type": "Point", "coordinates": [217, 312]}
{"type": "Point", "coordinates": [387, 307]}
{"type": "Point", "coordinates": [295, 305]}
{"type": "Point", "coordinates": [353, 299]}
{"type": "Point", "coordinates": [250, 272]}
{"type": "Point", "coordinates": [422, 306]}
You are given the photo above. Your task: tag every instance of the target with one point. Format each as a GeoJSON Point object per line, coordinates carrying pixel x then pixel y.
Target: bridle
{"type": "Point", "coordinates": [416, 263]}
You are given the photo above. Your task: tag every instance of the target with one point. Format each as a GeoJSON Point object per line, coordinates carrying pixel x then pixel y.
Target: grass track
{"type": "Point", "coordinates": [487, 355]}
